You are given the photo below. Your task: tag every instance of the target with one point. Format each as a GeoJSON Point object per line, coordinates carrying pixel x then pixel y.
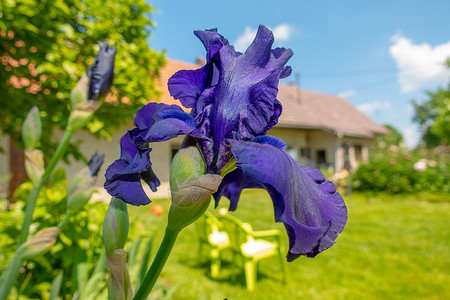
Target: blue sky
{"type": "Point", "coordinates": [379, 55]}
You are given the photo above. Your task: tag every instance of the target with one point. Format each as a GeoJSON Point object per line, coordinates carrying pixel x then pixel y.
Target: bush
{"type": "Point", "coordinates": [400, 172]}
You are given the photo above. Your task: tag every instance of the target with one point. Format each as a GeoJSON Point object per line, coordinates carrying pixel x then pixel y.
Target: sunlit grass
{"type": "Point", "coordinates": [393, 247]}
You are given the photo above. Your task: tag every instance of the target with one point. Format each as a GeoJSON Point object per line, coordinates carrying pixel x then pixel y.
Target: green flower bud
{"type": "Point", "coordinates": [34, 165]}
{"type": "Point", "coordinates": [79, 93]}
{"type": "Point", "coordinates": [82, 186]}
{"type": "Point", "coordinates": [82, 113]}
{"type": "Point", "coordinates": [32, 129]}
{"type": "Point", "coordinates": [115, 225]}
{"type": "Point", "coordinates": [119, 286]}
{"type": "Point", "coordinates": [39, 244]}
{"type": "Point", "coordinates": [190, 187]}
{"type": "Point", "coordinates": [80, 195]}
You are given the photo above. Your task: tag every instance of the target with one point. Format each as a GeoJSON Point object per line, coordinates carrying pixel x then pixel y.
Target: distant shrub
{"type": "Point", "coordinates": [396, 172]}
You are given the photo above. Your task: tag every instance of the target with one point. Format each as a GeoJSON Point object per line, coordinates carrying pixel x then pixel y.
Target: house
{"type": "Point", "coordinates": [320, 130]}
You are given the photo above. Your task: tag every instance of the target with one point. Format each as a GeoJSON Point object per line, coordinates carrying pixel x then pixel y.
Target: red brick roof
{"type": "Point", "coordinates": [301, 108]}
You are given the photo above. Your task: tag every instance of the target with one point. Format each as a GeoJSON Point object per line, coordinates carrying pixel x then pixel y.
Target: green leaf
{"type": "Point", "coordinates": [56, 286]}
{"type": "Point", "coordinates": [145, 259]}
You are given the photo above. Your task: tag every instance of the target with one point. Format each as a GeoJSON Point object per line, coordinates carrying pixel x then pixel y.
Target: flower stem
{"type": "Point", "coordinates": [158, 263]}
{"type": "Point", "coordinates": [10, 275]}
{"type": "Point", "coordinates": [12, 271]}
{"type": "Point", "coordinates": [37, 188]}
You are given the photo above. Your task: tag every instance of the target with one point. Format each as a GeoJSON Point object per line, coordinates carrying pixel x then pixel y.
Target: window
{"type": "Point", "coordinates": [305, 152]}
{"type": "Point", "coordinates": [358, 152]}
{"type": "Point", "coordinates": [321, 157]}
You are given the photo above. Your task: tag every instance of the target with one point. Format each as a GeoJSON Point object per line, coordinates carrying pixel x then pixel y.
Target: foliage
{"type": "Point", "coordinates": [77, 249]}
{"type": "Point", "coordinates": [394, 170]}
{"type": "Point", "coordinates": [433, 116]}
{"type": "Point", "coordinates": [46, 46]}
{"type": "Point", "coordinates": [78, 253]}
{"type": "Point", "coordinates": [394, 137]}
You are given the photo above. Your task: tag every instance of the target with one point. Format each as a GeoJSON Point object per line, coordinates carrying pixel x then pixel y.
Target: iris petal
{"type": "Point", "coordinates": [127, 187]}
{"type": "Point", "coordinates": [154, 123]}
{"type": "Point", "coordinates": [308, 205]}
{"type": "Point", "coordinates": [246, 104]}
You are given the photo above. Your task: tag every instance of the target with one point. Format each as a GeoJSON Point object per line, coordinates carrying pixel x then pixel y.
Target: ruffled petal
{"type": "Point", "coordinates": [308, 205]}
{"type": "Point", "coordinates": [150, 113]}
{"type": "Point", "coordinates": [245, 101]}
{"type": "Point", "coordinates": [125, 186]}
{"type": "Point", "coordinates": [187, 86]}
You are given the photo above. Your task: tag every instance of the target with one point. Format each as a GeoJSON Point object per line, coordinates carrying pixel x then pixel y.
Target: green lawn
{"type": "Point", "coordinates": [393, 247]}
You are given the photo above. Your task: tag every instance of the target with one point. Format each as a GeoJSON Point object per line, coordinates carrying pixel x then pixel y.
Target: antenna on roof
{"type": "Point", "coordinates": [298, 90]}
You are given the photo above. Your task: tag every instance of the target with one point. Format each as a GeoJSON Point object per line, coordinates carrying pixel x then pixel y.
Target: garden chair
{"type": "Point", "coordinates": [250, 246]}
{"type": "Point", "coordinates": [210, 234]}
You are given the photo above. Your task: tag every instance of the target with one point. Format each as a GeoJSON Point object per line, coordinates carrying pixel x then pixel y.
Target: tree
{"type": "Point", "coordinates": [433, 116]}
{"type": "Point", "coordinates": [45, 47]}
{"type": "Point", "coordinates": [394, 137]}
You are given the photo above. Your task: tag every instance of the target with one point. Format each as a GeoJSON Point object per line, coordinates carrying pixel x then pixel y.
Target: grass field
{"type": "Point", "coordinates": [393, 247]}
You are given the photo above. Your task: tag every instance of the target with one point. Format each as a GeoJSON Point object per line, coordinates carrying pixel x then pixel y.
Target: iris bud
{"type": "Point", "coordinates": [190, 187]}
{"type": "Point", "coordinates": [32, 129]}
{"type": "Point", "coordinates": [115, 225]}
{"type": "Point", "coordinates": [82, 186]}
{"type": "Point", "coordinates": [92, 85]}
{"type": "Point", "coordinates": [119, 286]}
{"type": "Point", "coordinates": [39, 244]}
{"type": "Point", "coordinates": [34, 165]}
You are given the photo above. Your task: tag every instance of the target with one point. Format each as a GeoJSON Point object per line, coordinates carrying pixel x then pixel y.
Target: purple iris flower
{"type": "Point", "coordinates": [233, 104]}
{"type": "Point", "coordinates": [101, 73]}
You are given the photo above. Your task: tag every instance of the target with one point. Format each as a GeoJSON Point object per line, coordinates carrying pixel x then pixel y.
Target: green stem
{"type": "Point", "coordinates": [37, 188]}
{"type": "Point", "coordinates": [10, 275]}
{"type": "Point", "coordinates": [158, 263]}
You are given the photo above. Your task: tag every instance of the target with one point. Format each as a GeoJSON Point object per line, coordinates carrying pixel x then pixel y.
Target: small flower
{"type": "Point", "coordinates": [233, 104]}
{"type": "Point", "coordinates": [157, 210]}
{"type": "Point", "coordinates": [421, 165]}
{"type": "Point", "coordinates": [392, 161]}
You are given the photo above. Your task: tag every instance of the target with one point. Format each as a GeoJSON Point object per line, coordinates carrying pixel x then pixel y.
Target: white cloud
{"type": "Point", "coordinates": [347, 93]}
{"type": "Point", "coordinates": [371, 107]}
{"type": "Point", "coordinates": [419, 64]}
{"type": "Point", "coordinates": [281, 33]}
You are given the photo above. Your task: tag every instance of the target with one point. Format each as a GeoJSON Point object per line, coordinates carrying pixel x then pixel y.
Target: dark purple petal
{"type": "Point", "coordinates": [269, 139]}
{"type": "Point", "coordinates": [212, 41]}
{"type": "Point", "coordinates": [230, 187]}
{"type": "Point", "coordinates": [150, 113]}
{"type": "Point", "coordinates": [127, 187]}
{"type": "Point", "coordinates": [187, 86]}
{"type": "Point", "coordinates": [101, 74]}
{"type": "Point", "coordinates": [308, 205]}
{"type": "Point", "coordinates": [245, 100]}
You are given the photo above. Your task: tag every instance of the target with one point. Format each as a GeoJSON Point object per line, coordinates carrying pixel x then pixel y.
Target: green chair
{"type": "Point", "coordinates": [250, 246]}
{"type": "Point", "coordinates": [209, 231]}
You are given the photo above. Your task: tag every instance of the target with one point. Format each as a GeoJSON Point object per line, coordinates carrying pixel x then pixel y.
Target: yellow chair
{"type": "Point", "coordinates": [209, 231]}
{"type": "Point", "coordinates": [249, 245]}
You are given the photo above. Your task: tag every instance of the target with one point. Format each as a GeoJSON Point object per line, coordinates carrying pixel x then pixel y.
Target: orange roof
{"type": "Point", "coordinates": [301, 108]}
